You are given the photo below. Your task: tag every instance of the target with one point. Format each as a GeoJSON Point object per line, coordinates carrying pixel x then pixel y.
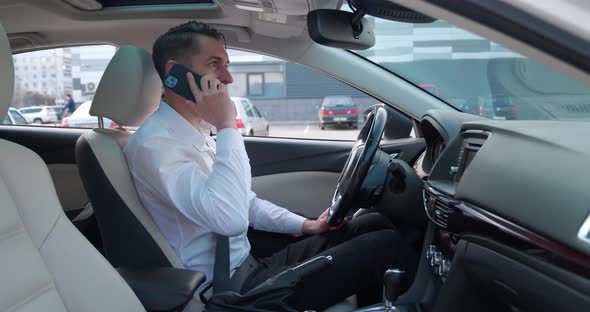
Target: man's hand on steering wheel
{"type": "Point", "coordinates": [320, 225]}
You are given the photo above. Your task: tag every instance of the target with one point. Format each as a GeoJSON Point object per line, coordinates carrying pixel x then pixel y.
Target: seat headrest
{"type": "Point", "coordinates": [6, 73]}
{"type": "Point", "coordinates": [130, 88]}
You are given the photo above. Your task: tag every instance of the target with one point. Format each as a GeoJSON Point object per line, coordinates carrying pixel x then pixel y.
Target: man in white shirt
{"type": "Point", "coordinates": [194, 186]}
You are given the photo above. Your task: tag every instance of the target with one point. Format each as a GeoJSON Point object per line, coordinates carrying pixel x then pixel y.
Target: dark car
{"type": "Point", "coordinates": [338, 111]}
{"type": "Point", "coordinates": [503, 107]}
{"type": "Point", "coordinates": [496, 107]}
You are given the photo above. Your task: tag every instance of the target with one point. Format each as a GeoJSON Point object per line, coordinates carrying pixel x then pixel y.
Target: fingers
{"type": "Point", "coordinates": [339, 226]}
{"type": "Point", "coordinates": [193, 85]}
{"type": "Point", "coordinates": [324, 214]}
{"type": "Point", "coordinates": [211, 85]}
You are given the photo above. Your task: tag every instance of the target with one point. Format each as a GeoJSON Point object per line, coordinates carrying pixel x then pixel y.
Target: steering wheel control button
{"type": "Point", "coordinates": [444, 268]}
{"type": "Point", "coordinates": [430, 251]}
{"type": "Point", "coordinates": [436, 259]}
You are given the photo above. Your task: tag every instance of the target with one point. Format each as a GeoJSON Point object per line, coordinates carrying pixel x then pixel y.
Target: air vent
{"type": "Point", "coordinates": [474, 141]}
{"type": "Point", "coordinates": [441, 213]}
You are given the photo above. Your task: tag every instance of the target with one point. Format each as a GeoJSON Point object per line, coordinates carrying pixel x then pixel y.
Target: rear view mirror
{"type": "Point", "coordinates": [340, 29]}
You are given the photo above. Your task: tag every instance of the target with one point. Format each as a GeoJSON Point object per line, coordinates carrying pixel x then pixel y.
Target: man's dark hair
{"type": "Point", "coordinates": [180, 42]}
{"type": "Point", "coordinates": [69, 95]}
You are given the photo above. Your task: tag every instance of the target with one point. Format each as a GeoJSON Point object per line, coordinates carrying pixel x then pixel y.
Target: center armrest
{"type": "Point", "coordinates": [162, 289]}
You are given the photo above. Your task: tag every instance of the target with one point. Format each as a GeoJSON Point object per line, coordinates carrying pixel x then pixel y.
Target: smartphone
{"type": "Point", "coordinates": [176, 81]}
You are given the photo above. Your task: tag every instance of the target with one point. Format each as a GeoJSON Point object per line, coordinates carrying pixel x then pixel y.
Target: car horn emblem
{"type": "Point", "coordinates": [171, 82]}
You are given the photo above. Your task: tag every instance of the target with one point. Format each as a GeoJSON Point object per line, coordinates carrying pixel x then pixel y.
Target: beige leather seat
{"type": "Point", "coordinates": [45, 263]}
{"type": "Point", "coordinates": [128, 93]}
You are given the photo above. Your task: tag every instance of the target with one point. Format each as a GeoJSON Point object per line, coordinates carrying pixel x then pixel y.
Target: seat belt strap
{"type": "Point", "coordinates": [221, 275]}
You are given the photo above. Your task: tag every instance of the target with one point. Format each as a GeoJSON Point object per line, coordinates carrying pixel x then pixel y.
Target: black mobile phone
{"type": "Point", "coordinates": [176, 81]}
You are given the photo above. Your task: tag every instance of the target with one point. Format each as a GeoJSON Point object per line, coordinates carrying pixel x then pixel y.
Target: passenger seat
{"type": "Point", "coordinates": [45, 263]}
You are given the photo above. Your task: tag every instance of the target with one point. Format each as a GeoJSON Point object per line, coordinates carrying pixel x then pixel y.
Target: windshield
{"type": "Point", "coordinates": [475, 75]}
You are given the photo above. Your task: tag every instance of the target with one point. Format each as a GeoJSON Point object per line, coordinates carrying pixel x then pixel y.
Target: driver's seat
{"type": "Point", "coordinates": [128, 92]}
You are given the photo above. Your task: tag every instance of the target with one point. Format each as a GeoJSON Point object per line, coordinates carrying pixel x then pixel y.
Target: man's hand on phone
{"type": "Point", "coordinates": [213, 103]}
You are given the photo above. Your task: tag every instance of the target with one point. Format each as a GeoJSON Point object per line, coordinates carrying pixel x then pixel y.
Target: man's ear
{"type": "Point", "coordinates": [169, 65]}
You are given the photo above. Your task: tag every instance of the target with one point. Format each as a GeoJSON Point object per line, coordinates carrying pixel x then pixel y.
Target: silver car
{"type": "Point", "coordinates": [81, 118]}
{"type": "Point", "coordinates": [249, 119]}
{"type": "Point", "coordinates": [39, 114]}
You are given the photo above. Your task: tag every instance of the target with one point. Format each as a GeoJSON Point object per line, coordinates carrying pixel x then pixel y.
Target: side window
{"type": "Point", "coordinates": [41, 87]}
{"type": "Point", "coordinates": [294, 101]}
{"type": "Point", "coordinates": [18, 118]}
{"type": "Point", "coordinates": [256, 84]}
{"type": "Point", "coordinates": [248, 108]}
{"type": "Point", "coordinates": [256, 112]}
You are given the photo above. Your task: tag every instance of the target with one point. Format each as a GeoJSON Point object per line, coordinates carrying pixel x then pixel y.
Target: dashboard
{"type": "Point", "coordinates": [521, 183]}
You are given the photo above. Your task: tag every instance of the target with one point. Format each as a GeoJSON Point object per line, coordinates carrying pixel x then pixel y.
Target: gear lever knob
{"type": "Point", "coordinates": [392, 281]}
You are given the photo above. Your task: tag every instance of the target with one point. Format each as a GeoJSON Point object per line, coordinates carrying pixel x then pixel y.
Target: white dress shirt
{"type": "Point", "coordinates": [193, 187]}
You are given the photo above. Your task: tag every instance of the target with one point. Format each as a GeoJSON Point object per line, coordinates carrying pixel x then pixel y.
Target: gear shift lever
{"type": "Point", "coordinates": [392, 281]}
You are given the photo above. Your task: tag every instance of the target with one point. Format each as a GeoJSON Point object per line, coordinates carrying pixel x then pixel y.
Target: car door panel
{"type": "Point", "coordinates": [307, 193]}
{"type": "Point", "coordinates": [56, 147]}
{"type": "Point", "coordinates": [68, 186]}
{"type": "Point", "coordinates": [302, 174]}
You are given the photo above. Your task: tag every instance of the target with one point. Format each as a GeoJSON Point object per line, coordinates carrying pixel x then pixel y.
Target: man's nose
{"type": "Point", "coordinates": [226, 77]}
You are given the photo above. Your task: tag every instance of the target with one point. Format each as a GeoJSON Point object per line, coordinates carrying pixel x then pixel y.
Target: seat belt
{"type": "Point", "coordinates": [221, 267]}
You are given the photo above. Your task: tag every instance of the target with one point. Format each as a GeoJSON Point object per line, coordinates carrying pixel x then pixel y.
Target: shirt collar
{"type": "Point", "coordinates": [180, 127]}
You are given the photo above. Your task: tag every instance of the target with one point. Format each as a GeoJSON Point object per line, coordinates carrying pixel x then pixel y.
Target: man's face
{"type": "Point", "coordinates": [212, 59]}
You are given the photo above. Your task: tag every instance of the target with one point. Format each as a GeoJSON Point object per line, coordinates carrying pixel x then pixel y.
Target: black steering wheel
{"type": "Point", "coordinates": [357, 165]}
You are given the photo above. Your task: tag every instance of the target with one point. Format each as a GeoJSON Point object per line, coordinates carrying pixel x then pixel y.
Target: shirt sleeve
{"type": "Point", "coordinates": [218, 200]}
{"type": "Point", "coordinates": [266, 216]}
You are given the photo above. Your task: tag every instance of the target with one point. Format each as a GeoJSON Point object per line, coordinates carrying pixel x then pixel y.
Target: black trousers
{"type": "Point", "coordinates": [362, 250]}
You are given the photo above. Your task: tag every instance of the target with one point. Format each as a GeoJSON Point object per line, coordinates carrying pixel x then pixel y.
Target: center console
{"type": "Point", "coordinates": [443, 210]}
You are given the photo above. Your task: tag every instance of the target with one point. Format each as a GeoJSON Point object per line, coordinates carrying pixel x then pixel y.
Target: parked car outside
{"type": "Point", "coordinates": [39, 114]}
{"type": "Point", "coordinates": [249, 119]}
{"type": "Point", "coordinates": [13, 117]}
{"type": "Point", "coordinates": [81, 118]}
{"type": "Point", "coordinates": [497, 107]}
{"type": "Point", "coordinates": [503, 107]}
{"type": "Point", "coordinates": [338, 111]}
